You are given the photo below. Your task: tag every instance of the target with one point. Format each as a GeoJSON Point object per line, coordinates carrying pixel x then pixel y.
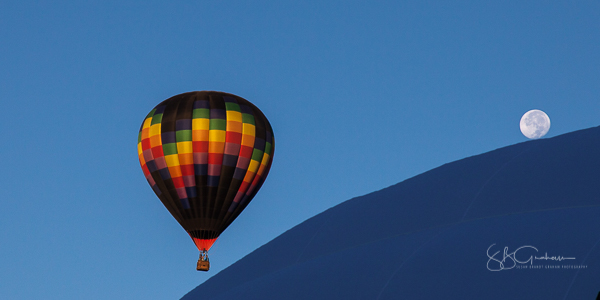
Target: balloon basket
{"type": "Point", "coordinates": [203, 263]}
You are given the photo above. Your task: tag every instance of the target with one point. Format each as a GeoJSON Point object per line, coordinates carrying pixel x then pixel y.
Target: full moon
{"type": "Point", "coordinates": [535, 124]}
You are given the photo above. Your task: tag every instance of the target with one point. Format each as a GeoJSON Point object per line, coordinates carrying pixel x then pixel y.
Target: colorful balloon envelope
{"type": "Point", "coordinates": [205, 154]}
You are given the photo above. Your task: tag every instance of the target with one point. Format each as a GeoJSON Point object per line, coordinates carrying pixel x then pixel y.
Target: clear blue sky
{"type": "Point", "coordinates": [361, 95]}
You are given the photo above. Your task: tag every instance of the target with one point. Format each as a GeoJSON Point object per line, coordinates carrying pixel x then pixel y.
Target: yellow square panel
{"type": "Point", "coordinates": [200, 124]}
{"type": "Point", "coordinates": [147, 123]}
{"type": "Point", "coordinates": [249, 129]}
{"type": "Point", "coordinates": [155, 129]}
{"type": "Point", "coordinates": [216, 136]}
{"type": "Point", "coordinates": [184, 147]}
{"type": "Point", "coordinates": [265, 159]}
{"type": "Point", "coordinates": [234, 116]}
{"type": "Point", "coordinates": [172, 160]}
{"type": "Point", "coordinates": [253, 166]}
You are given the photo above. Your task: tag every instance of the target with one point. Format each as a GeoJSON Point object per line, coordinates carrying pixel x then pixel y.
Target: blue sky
{"type": "Point", "coordinates": [361, 95]}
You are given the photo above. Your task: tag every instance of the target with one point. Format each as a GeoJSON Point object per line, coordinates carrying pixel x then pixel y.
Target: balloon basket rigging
{"type": "Point", "coordinates": [203, 263]}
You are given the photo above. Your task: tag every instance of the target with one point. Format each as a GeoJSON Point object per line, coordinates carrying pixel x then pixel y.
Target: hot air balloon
{"type": "Point", "coordinates": [205, 155]}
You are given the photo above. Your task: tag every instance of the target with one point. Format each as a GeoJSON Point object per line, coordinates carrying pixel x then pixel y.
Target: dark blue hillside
{"type": "Point", "coordinates": [427, 237]}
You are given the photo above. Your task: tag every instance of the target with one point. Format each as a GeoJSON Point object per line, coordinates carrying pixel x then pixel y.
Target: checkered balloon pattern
{"type": "Point", "coordinates": [205, 155]}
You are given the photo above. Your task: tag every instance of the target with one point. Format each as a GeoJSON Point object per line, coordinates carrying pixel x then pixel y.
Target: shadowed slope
{"type": "Point", "coordinates": [427, 237]}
